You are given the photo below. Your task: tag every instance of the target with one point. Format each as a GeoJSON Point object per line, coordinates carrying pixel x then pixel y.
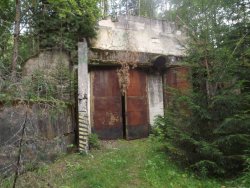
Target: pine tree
{"type": "Point", "coordinates": [6, 21]}
{"type": "Point", "coordinates": [212, 135]}
{"type": "Point", "coordinates": [62, 24]}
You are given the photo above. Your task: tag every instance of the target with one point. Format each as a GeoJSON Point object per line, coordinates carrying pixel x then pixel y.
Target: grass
{"type": "Point", "coordinates": [119, 164]}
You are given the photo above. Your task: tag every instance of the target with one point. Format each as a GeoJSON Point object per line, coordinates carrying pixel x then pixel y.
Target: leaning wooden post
{"type": "Point", "coordinates": [83, 122]}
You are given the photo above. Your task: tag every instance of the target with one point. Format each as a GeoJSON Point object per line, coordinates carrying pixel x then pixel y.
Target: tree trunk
{"type": "Point", "coordinates": [16, 39]}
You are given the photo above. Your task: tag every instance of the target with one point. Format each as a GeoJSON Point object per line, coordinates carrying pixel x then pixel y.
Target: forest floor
{"type": "Point", "coordinates": [118, 164]}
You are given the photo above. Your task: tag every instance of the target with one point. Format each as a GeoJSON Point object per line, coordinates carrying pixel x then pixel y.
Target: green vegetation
{"type": "Point", "coordinates": [139, 163]}
{"type": "Point", "coordinates": [40, 26]}
{"type": "Point", "coordinates": [208, 128]}
{"type": "Point", "coordinates": [61, 24]}
{"type": "Point", "coordinates": [94, 142]}
{"type": "Point", "coordinates": [143, 8]}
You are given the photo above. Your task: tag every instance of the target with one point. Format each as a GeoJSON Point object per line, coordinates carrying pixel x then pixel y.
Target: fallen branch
{"type": "Point", "coordinates": [20, 151]}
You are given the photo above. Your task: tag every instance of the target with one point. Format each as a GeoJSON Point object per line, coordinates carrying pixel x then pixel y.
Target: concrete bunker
{"type": "Point", "coordinates": [156, 47]}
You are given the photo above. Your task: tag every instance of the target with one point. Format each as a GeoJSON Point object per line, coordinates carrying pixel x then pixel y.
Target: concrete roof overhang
{"type": "Point", "coordinates": [139, 40]}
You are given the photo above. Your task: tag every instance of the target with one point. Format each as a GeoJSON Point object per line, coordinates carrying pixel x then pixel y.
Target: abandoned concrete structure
{"type": "Point", "coordinates": [47, 131]}
{"type": "Point", "coordinates": [155, 48]}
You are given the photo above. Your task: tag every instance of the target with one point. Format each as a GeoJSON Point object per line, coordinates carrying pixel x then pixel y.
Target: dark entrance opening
{"type": "Point", "coordinates": [123, 99]}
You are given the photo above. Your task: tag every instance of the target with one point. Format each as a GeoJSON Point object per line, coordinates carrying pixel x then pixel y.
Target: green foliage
{"type": "Point", "coordinates": [7, 17]}
{"type": "Point", "coordinates": [45, 24]}
{"type": "Point", "coordinates": [144, 8]}
{"type": "Point", "coordinates": [138, 163]}
{"type": "Point", "coordinates": [53, 89]}
{"type": "Point", "coordinates": [246, 176]}
{"type": "Point", "coordinates": [207, 146]}
{"type": "Point", "coordinates": [94, 142]}
{"type": "Point", "coordinates": [148, 8]}
{"type": "Point", "coordinates": [244, 179]}
{"type": "Point", "coordinates": [63, 23]}
{"type": "Point", "coordinates": [207, 129]}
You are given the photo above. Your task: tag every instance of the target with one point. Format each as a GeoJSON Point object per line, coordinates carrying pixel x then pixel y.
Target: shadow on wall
{"type": "Point", "coordinates": [47, 134]}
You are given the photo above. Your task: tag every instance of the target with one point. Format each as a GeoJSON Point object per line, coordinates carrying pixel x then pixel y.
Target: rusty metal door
{"type": "Point", "coordinates": [106, 105]}
{"type": "Point", "coordinates": [137, 120]}
{"type": "Point", "coordinates": [175, 78]}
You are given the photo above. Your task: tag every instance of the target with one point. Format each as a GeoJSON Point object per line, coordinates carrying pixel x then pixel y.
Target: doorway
{"type": "Point", "coordinates": [114, 116]}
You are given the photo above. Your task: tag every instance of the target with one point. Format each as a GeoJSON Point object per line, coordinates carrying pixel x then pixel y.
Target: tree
{"type": "Point", "coordinates": [212, 135]}
{"type": "Point", "coordinates": [6, 21]}
{"type": "Point", "coordinates": [16, 38]}
{"type": "Point", "coordinates": [62, 23]}
{"type": "Point", "coordinates": [104, 4]}
{"type": "Point", "coordinates": [28, 26]}
{"type": "Point", "coordinates": [144, 8]}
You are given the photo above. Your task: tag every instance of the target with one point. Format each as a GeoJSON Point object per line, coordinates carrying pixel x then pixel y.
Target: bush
{"type": "Point", "coordinates": [200, 138]}
{"type": "Point", "coordinates": [94, 142]}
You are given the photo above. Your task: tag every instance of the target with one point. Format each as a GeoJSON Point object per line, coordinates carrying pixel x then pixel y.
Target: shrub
{"type": "Point", "coordinates": [212, 139]}
{"type": "Point", "coordinates": [94, 142]}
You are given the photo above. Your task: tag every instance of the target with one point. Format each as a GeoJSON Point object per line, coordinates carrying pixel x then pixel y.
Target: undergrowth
{"type": "Point", "coordinates": [139, 163]}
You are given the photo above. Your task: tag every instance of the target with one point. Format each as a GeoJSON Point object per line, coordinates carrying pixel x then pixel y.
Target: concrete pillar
{"type": "Point", "coordinates": [155, 96]}
{"type": "Point", "coordinates": [83, 96]}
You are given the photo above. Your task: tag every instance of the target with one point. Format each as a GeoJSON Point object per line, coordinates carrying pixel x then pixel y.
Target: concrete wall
{"type": "Point", "coordinates": [140, 35]}
{"type": "Point", "coordinates": [155, 96]}
{"type": "Point", "coordinates": [49, 128]}
{"type": "Point", "coordinates": [47, 134]}
{"type": "Point", "coordinates": [54, 69]}
{"type": "Point", "coordinates": [47, 61]}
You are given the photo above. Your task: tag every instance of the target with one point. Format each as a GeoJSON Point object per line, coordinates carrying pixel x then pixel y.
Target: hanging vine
{"type": "Point", "coordinates": [129, 61]}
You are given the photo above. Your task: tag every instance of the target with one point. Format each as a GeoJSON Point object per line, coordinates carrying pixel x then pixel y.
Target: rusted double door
{"type": "Point", "coordinates": [114, 116]}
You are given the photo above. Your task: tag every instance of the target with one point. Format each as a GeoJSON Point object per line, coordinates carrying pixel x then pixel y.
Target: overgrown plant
{"type": "Point", "coordinates": [94, 142]}
{"type": "Point", "coordinates": [61, 24]}
{"type": "Point", "coordinates": [212, 135]}
{"type": "Point", "coordinates": [130, 60]}
{"type": "Point", "coordinates": [27, 29]}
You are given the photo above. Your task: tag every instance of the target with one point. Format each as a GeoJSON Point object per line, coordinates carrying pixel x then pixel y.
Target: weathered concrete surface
{"type": "Point", "coordinates": [49, 74]}
{"type": "Point", "coordinates": [83, 117]}
{"type": "Point", "coordinates": [140, 34]}
{"type": "Point", "coordinates": [155, 96]}
{"type": "Point", "coordinates": [47, 134]}
{"type": "Point", "coordinates": [47, 61]}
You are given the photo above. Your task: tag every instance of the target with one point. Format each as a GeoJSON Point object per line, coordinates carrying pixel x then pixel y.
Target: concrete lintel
{"type": "Point", "coordinates": [106, 57]}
